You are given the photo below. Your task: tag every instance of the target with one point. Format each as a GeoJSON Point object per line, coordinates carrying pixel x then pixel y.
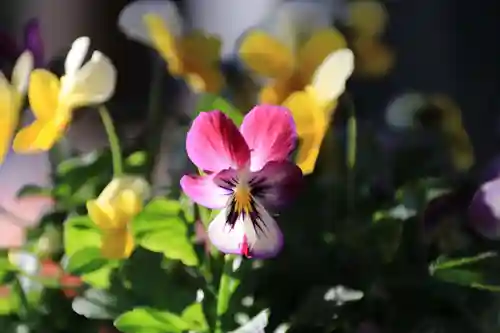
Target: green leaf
{"type": "Point", "coordinates": [148, 320]}
{"type": "Point", "coordinates": [31, 190]}
{"type": "Point", "coordinates": [208, 102]}
{"type": "Point", "coordinates": [81, 233]}
{"type": "Point", "coordinates": [445, 263]}
{"type": "Point", "coordinates": [195, 316]}
{"type": "Point", "coordinates": [159, 228]}
{"type": "Point", "coordinates": [85, 261]}
{"type": "Point", "coordinates": [136, 159]}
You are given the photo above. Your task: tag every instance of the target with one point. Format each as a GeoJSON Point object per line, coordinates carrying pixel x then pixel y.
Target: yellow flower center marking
{"type": "Point", "coordinates": [243, 199]}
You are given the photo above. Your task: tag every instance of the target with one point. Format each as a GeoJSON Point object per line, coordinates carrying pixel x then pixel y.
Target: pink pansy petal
{"type": "Point", "coordinates": [270, 133]}
{"type": "Point", "coordinates": [203, 191]}
{"type": "Point", "coordinates": [214, 143]}
{"type": "Point", "coordinates": [278, 183]}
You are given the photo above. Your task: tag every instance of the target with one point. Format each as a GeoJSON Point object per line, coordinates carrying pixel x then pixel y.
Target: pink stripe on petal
{"type": "Point", "coordinates": [214, 143]}
{"type": "Point", "coordinates": [203, 191]}
{"type": "Point", "coordinates": [270, 133]}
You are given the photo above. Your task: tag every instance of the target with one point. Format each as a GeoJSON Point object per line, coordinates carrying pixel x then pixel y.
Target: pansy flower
{"type": "Point", "coordinates": [53, 100]}
{"type": "Point", "coordinates": [12, 96]}
{"type": "Point", "coordinates": [411, 110]}
{"type": "Point", "coordinates": [484, 210]}
{"type": "Point", "coordinates": [193, 56]}
{"type": "Point", "coordinates": [246, 172]}
{"type": "Point", "coordinates": [295, 42]}
{"type": "Point", "coordinates": [313, 107]}
{"type": "Point", "coordinates": [368, 20]}
{"type": "Point", "coordinates": [120, 201]}
{"type": "Point", "coordinates": [32, 41]}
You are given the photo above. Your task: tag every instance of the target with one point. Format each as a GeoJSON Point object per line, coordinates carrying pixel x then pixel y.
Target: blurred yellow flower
{"type": "Point", "coordinates": [113, 211]}
{"type": "Point", "coordinates": [313, 106]}
{"type": "Point", "coordinates": [12, 95]}
{"type": "Point", "coordinates": [367, 20]}
{"type": "Point", "coordinates": [403, 113]}
{"type": "Point", "coordinates": [193, 56]}
{"type": "Point", "coordinates": [290, 70]}
{"type": "Point", "coordinates": [53, 100]}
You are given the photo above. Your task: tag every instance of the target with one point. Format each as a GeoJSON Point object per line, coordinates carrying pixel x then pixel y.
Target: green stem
{"type": "Point", "coordinates": [224, 293]}
{"type": "Point", "coordinates": [24, 310]}
{"type": "Point", "coordinates": [114, 142]}
{"type": "Point", "coordinates": [351, 154]}
{"type": "Point", "coordinates": [156, 115]}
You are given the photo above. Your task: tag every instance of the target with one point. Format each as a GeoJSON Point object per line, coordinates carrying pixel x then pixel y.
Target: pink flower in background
{"type": "Point", "coordinates": [18, 214]}
{"type": "Point", "coordinates": [247, 172]}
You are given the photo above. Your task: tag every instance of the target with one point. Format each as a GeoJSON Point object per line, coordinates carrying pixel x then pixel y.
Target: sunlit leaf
{"type": "Point", "coordinates": [81, 233]}
{"type": "Point", "coordinates": [159, 228]}
{"type": "Point", "coordinates": [148, 320]}
{"type": "Point", "coordinates": [85, 261]}
{"type": "Point", "coordinates": [195, 316]}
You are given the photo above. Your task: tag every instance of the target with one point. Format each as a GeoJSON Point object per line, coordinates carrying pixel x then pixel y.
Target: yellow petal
{"type": "Point", "coordinates": [312, 122]}
{"type": "Point", "coordinates": [373, 59]}
{"type": "Point", "coordinates": [9, 116]}
{"type": "Point", "coordinates": [38, 136]}
{"type": "Point", "coordinates": [117, 244]}
{"type": "Point", "coordinates": [316, 49]}
{"type": "Point", "coordinates": [266, 56]}
{"type": "Point", "coordinates": [129, 203]}
{"type": "Point", "coordinates": [137, 184]}
{"type": "Point", "coordinates": [200, 47]}
{"type": "Point", "coordinates": [367, 17]}
{"type": "Point", "coordinates": [308, 152]}
{"type": "Point", "coordinates": [164, 42]}
{"type": "Point", "coordinates": [102, 214]}
{"type": "Point", "coordinates": [201, 60]}
{"type": "Point", "coordinates": [43, 94]}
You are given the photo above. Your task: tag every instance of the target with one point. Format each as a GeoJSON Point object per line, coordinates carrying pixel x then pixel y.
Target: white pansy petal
{"type": "Point", "coordinates": [21, 72]}
{"type": "Point", "coordinates": [131, 18]}
{"type": "Point", "coordinates": [76, 55]}
{"type": "Point", "coordinates": [330, 78]}
{"type": "Point", "coordinates": [224, 238]}
{"type": "Point", "coordinates": [400, 112]}
{"type": "Point", "coordinates": [94, 83]}
{"type": "Point", "coordinates": [265, 243]}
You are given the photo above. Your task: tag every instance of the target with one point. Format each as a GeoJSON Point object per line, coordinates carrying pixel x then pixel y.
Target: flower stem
{"type": "Point", "coordinates": [114, 142]}
{"type": "Point", "coordinates": [351, 154]}
{"type": "Point", "coordinates": [156, 117]}
{"type": "Point", "coordinates": [224, 294]}
{"type": "Point", "coordinates": [24, 306]}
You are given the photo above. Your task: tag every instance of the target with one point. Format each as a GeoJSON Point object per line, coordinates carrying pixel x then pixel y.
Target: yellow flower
{"type": "Point", "coordinates": [193, 56]}
{"type": "Point", "coordinates": [312, 107]}
{"type": "Point", "coordinates": [291, 59]}
{"type": "Point", "coordinates": [11, 100]}
{"type": "Point", "coordinates": [113, 211]}
{"type": "Point", "coordinates": [403, 113]}
{"type": "Point", "coordinates": [53, 100]}
{"type": "Point", "coordinates": [367, 20]}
